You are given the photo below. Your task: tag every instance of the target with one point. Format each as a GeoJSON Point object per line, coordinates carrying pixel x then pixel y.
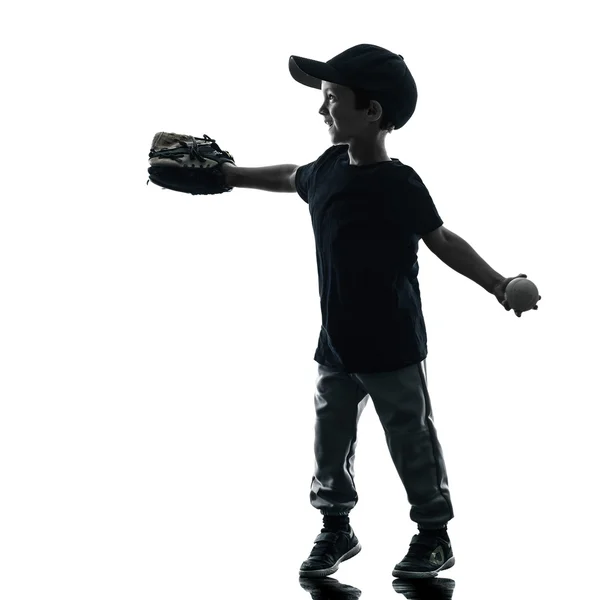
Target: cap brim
{"type": "Point", "coordinates": [312, 72]}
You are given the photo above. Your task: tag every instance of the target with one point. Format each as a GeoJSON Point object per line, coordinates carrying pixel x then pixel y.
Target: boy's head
{"type": "Point", "coordinates": [355, 117]}
{"type": "Point", "coordinates": [369, 75]}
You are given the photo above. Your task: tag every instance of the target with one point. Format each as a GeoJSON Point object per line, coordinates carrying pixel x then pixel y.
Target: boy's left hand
{"type": "Point", "coordinates": [500, 289]}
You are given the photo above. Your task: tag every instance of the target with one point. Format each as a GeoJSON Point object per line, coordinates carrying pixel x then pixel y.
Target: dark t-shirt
{"type": "Point", "coordinates": [367, 221]}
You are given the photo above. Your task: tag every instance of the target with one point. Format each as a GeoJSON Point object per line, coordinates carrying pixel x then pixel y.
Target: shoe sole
{"type": "Point", "coordinates": [423, 575]}
{"type": "Point", "coordinates": [329, 570]}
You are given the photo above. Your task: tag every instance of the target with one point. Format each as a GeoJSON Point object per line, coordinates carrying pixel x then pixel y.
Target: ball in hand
{"type": "Point", "coordinates": [522, 294]}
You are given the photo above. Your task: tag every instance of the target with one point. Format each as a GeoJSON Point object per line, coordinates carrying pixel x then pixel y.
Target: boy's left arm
{"type": "Point", "coordinates": [460, 256]}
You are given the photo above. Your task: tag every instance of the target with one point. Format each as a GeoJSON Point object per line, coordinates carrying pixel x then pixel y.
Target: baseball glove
{"type": "Point", "coordinates": [185, 163]}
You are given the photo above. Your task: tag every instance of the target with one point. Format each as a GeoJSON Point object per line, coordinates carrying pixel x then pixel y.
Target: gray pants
{"type": "Point", "coordinates": [404, 409]}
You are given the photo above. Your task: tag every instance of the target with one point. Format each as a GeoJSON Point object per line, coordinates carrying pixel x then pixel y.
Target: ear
{"type": "Point", "coordinates": [375, 108]}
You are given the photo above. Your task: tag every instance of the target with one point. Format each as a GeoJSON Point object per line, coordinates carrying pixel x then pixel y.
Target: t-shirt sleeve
{"type": "Point", "coordinates": [425, 217]}
{"type": "Point", "coordinates": [307, 174]}
{"type": "Point", "coordinates": [304, 178]}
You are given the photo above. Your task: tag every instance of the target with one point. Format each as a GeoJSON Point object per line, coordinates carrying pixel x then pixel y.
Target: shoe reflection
{"type": "Point", "coordinates": [438, 588]}
{"type": "Point", "coordinates": [329, 589]}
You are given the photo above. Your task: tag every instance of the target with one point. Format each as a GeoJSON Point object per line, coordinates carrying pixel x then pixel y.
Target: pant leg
{"type": "Point", "coordinates": [339, 402]}
{"type": "Point", "coordinates": [402, 402]}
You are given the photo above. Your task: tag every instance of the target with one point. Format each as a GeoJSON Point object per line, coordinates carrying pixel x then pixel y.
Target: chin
{"type": "Point", "coordinates": [336, 138]}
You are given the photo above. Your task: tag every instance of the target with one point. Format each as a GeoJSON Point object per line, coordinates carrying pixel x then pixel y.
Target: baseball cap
{"type": "Point", "coordinates": [373, 69]}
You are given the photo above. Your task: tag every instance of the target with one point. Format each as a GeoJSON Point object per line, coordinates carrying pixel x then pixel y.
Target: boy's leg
{"type": "Point", "coordinates": [339, 402]}
{"type": "Point", "coordinates": [402, 403]}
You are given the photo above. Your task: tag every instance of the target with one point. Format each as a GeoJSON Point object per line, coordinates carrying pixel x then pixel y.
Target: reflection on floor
{"type": "Point", "coordinates": [438, 588]}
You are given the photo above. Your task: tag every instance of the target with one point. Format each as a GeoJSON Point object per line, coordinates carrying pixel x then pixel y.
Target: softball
{"type": "Point", "coordinates": [522, 294]}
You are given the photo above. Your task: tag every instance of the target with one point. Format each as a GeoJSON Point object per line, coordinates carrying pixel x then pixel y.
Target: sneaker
{"type": "Point", "coordinates": [330, 549]}
{"type": "Point", "coordinates": [427, 556]}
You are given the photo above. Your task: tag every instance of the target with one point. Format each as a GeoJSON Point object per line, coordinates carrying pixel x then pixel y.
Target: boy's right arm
{"type": "Point", "coordinates": [279, 178]}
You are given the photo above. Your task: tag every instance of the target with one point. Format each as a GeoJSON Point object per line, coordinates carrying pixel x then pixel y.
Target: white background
{"type": "Point", "coordinates": [156, 367]}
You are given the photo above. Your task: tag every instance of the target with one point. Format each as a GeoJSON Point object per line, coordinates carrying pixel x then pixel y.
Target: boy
{"type": "Point", "coordinates": [368, 213]}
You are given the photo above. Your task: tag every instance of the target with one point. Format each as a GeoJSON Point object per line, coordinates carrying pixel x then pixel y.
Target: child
{"type": "Point", "coordinates": [368, 213]}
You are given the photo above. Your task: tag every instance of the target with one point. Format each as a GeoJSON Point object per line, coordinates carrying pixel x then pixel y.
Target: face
{"type": "Point", "coordinates": [350, 126]}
